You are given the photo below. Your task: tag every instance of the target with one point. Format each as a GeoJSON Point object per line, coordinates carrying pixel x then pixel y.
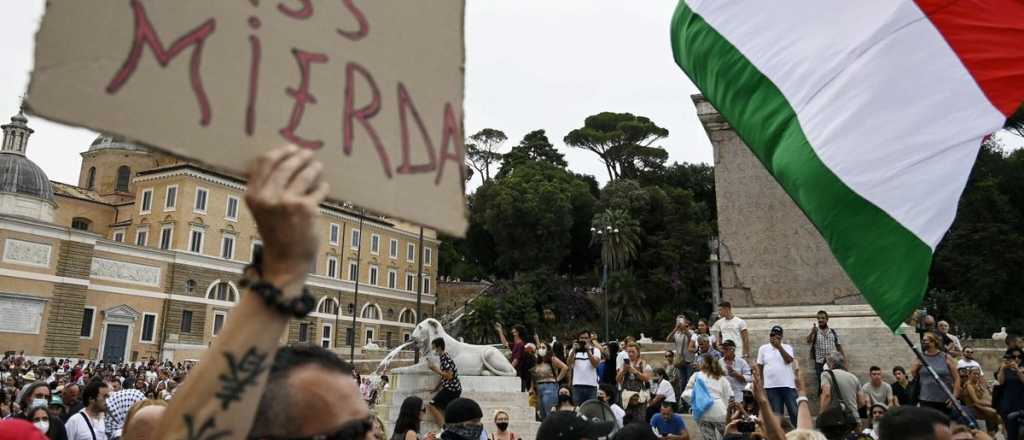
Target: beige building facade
{"type": "Point", "coordinates": [141, 260]}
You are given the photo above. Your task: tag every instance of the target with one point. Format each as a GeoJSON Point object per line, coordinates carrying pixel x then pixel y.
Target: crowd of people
{"type": "Point", "coordinates": [246, 386]}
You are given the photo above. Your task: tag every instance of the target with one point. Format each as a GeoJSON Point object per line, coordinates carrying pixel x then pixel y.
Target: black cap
{"type": "Point", "coordinates": [729, 343]}
{"type": "Point", "coordinates": [462, 410]}
{"type": "Point", "coordinates": [776, 329]}
{"type": "Point", "coordinates": [567, 425]}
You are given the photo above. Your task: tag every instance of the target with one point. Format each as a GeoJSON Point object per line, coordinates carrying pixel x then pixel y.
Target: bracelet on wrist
{"type": "Point", "coordinates": [273, 297]}
{"type": "Point", "coordinates": [801, 399]}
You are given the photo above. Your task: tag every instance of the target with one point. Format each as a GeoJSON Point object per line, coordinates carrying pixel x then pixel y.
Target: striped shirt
{"type": "Point", "coordinates": [825, 342]}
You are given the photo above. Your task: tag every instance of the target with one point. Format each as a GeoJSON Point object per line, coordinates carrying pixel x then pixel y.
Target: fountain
{"type": "Point", "coordinates": [486, 374]}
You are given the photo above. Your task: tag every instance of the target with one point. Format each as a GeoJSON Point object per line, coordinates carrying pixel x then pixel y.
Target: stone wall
{"type": "Point", "coordinates": [64, 323]}
{"type": "Point", "coordinates": [771, 254]}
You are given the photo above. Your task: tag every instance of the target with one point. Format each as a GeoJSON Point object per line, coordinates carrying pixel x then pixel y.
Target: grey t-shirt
{"type": "Point", "coordinates": [848, 386]}
{"type": "Point", "coordinates": [882, 394]}
{"type": "Point", "coordinates": [682, 342]}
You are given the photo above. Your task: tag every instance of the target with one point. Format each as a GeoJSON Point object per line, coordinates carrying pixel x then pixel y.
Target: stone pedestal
{"type": "Point", "coordinates": [493, 393]}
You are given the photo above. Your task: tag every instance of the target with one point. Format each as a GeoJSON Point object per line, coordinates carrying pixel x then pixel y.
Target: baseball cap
{"type": "Point", "coordinates": [776, 329]}
{"type": "Point", "coordinates": [462, 410]}
{"type": "Point", "coordinates": [729, 343]}
{"type": "Point", "coordinates": [567, 425]}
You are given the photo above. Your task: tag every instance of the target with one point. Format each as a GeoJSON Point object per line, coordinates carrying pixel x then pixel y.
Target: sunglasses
{"type": "Point", "coordinates": [353, 430]}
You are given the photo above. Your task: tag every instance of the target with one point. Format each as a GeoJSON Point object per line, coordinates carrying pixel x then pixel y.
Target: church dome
{"type": "Point", "coordinates": [19, 175]}
{"type": "Point", "coordinates": [113, 142]}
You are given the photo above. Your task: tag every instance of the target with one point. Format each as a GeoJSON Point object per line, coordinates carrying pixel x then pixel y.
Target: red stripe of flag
{"type": "Point", "coordinates": [988, 37]}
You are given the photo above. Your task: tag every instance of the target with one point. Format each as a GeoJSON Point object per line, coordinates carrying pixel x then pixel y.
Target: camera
{"type": "Point", "coordinates": [748, 424]}
{"type": "Point", "coordinates": [579, 346]}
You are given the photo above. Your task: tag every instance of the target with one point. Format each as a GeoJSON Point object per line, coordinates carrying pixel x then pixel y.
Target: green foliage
{"type": "Point", "coordinates": [534, 147]}
{"type": "Point", "coordinates": [623, 141]}
{"type": "Point", "coordinates": [619, 235]}
{"type": "Point", "coordinates": [481, 151]}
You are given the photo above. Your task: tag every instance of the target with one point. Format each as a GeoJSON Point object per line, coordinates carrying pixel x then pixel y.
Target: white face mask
{"type": "Point", "coordinates": [542, 352]}
{"type": "Point", "coordinates": [42, 426]}
{"type": "Point", "coordinates": [38, 402]}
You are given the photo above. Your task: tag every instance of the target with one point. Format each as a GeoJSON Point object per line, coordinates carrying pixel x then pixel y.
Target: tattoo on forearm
{"type": "Point", "coordinates": [208, 431]}
{"type": "Point", "coordinates": [243, 372]}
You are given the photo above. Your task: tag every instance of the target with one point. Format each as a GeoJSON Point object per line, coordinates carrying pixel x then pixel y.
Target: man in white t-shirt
{"type": "Point", "coordinates": [730, 327]}
{"type": "Point", "coordinates": [778, 373]}
{"type": "Point", "coordinates": [603, 394]}
{"type": "Point", "coordinates": [968, 361]}
{"type": "Point", "coordinates": [88, 424]}
{"type": "Point", "coordinates": [585, 358]}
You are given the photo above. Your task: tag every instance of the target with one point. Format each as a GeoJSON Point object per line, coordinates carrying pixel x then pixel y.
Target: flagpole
{"type": "Point", "coordinates": [920, 358]}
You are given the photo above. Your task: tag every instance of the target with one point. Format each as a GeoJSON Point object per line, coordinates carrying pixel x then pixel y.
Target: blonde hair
{"type": "Point", "coordinates": [805, 434]}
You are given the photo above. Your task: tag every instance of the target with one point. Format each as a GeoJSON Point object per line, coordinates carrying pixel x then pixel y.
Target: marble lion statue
{"type": "Point", "coordinates": [472, 360]}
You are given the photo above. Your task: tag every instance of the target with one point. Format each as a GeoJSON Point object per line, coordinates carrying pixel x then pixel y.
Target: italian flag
{"type": "Point", "coordinates": [869, 113]}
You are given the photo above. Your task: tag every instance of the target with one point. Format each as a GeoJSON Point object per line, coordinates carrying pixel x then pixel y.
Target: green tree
{"type": "Point", "coordinates": [619, 236]}
{"type": "Point", "coordinates": [534, 147]}
{"type": "Point", "coordinates": [1015, 124]}
{"type": "Point", "coordinates": [623, 141]}
{"type": "Point", "coordinates": [482, 151]}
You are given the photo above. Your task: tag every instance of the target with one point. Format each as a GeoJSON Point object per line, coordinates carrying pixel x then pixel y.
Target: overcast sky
{"type": "Point", "coordinates": [530, 64]}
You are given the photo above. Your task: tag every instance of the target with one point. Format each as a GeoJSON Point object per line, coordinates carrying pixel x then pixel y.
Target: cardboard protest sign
{"type": "Point", "coordinates": [375, 87]}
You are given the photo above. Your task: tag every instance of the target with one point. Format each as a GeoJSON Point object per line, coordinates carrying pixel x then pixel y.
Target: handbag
{"type": "Point", "coordinates": [839, 403]}
{"type": "Point", "coordinates": [702, 399]}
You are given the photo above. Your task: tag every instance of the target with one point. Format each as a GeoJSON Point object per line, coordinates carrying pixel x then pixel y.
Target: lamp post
{"type": "Point", "coordinates": [605, 233]}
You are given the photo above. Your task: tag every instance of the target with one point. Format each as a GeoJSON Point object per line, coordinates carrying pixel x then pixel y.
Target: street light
{"type": "Point", "coordinates": [603, 234]}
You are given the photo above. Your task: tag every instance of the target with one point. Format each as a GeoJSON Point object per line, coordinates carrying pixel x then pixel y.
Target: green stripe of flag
{"type": "Point", "coordinates": [887, 263]}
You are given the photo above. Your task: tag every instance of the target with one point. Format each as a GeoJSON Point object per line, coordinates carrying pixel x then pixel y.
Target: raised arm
{"type": "Point", "coordinates": [221, 394]}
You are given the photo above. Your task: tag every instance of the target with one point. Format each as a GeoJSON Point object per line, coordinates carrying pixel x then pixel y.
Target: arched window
{"type": "Point", "coordinates": [80, 223]}
{"type": "Point", "coordinates": [371, 311]}
{"type": "Point", "coordinates": [408, 316]}
{"type": "Point", "coordinates": [190, 287]}
{"type": "Point", "coordinates": [351, 309]}
{"type": "Point", "coordinates": [328, 306]}
{"type": "Point", "coordinates": [90, 183]}
{"type": "Point", "coordinates": [222, 291]}
{"type": "Point", "coordinates": [124, 174]}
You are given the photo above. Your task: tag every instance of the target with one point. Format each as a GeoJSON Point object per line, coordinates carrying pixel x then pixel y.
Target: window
{"type": "Point", "coordinates": [222, 291]}
{"type": "Point", "coordinates": [232, 209]}
{"type": "Point", "coordinates": [356, 237]}
{"type": "Point", "coordinates": [312, 267]}
{"type": "Point", "coordinates": [166, 236]}
{"type": "Point", "coordinates": [428, 256]}
{"type": "Point", "coordinates": [328, 306]}
{"type": "Point", "coordinates": [406, 337]}
{"type": "Point", "coordinates": [141, 236]}
{"type": "Point", "coordinates": [88, 315]}
{"type": "Point", "coordinates": [218, 321]}
{"type": "Point", "coordinates": [373, 275]}
{"type": "Point", "coordinates": [171, 198]}
{"type": "Point", "coordinates": [392, 279]}
{"type": "Point", "coordinates": [349, 336]}
{"type": "Point", "coordinates": [90, 183]}
{"type": "Point", "coordinates": [186, 321]}
{"type": "Point", "coordinates": [369, 336]}
{"type": "Point", "coordinates": [303, 332]}
{"type": "Point", "coordinates": [257, 246]}
{"type": "Point", "coordinates": [426, 285]}
{"type": "Point", "coordinates": [410, 252]}
{"type": "Point", "coordinates": [374, 244]}
{"type": "Point", "coordinates": [335, 233]}
{"type": "Point", "coordinates": [119, 235]}
{"type": "Point", "coordinates": [410, 282]}
{"type": "Point", "coordinates": [408, 316]}
{"type": "Point", "coordinates": [190, 287]}
{"type": "Point", "coordinates": [124, 174]}
{"type": "Point", "coordinates": [332, 266]}
{"type": "Point", "coordinates": [80, 223]}
{"type": "Point", "coordinates": [146, 203]}
{"type": "Point", "coordinates": [200, 205]}
{"type": "Point", "coordinates": [351, 309]}
{"type": "Point", "coordinates": [390, 314]}
{"type": "Point", "coordinates": [227, 247]}
{"type": "Point", "coordinates": [370, 311]}
{"type": "Point", "coordinates": [325, 336]}
{"type": "Point", "coordinates": [393, 248]}
{"type": "Point", "coordinates": [148, 328]}
{"type": "Point", "coordinates": [389, 340]}
{"type": "Point", "coordinates": [195, 242]}
{"type": "Point", "coordinates": [353, 270]}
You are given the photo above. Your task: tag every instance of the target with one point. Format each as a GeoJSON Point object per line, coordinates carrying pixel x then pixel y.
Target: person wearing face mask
{"type": "Point", "coordinates": [663, 393]}
{"type": "Point", "coordinates": [501, 422]}
{"type": "Point", "coordinates": [546, 375]}
{"type": "Point", "coordinates": [565, 402]}
{"type": "Point", "coordinates": [450, 386]}
{"type": "Point", "coordinates": [33, 395]}
{"type": "Point", "coordinates": [462, 421]}
{"type": "Point", "coordinates": [39, 416]}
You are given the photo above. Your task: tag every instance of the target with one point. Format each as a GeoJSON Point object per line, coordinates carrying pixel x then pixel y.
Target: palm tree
{"type": "Point", "coordinates": [619, 235]}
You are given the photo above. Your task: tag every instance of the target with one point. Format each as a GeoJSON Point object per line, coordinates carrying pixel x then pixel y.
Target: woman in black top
{"type": "Point", "coordinates": [407, 426]}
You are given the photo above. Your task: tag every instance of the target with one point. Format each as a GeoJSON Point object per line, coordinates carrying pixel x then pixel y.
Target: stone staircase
{"type": "Point", "coordinates": [492, 393]}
